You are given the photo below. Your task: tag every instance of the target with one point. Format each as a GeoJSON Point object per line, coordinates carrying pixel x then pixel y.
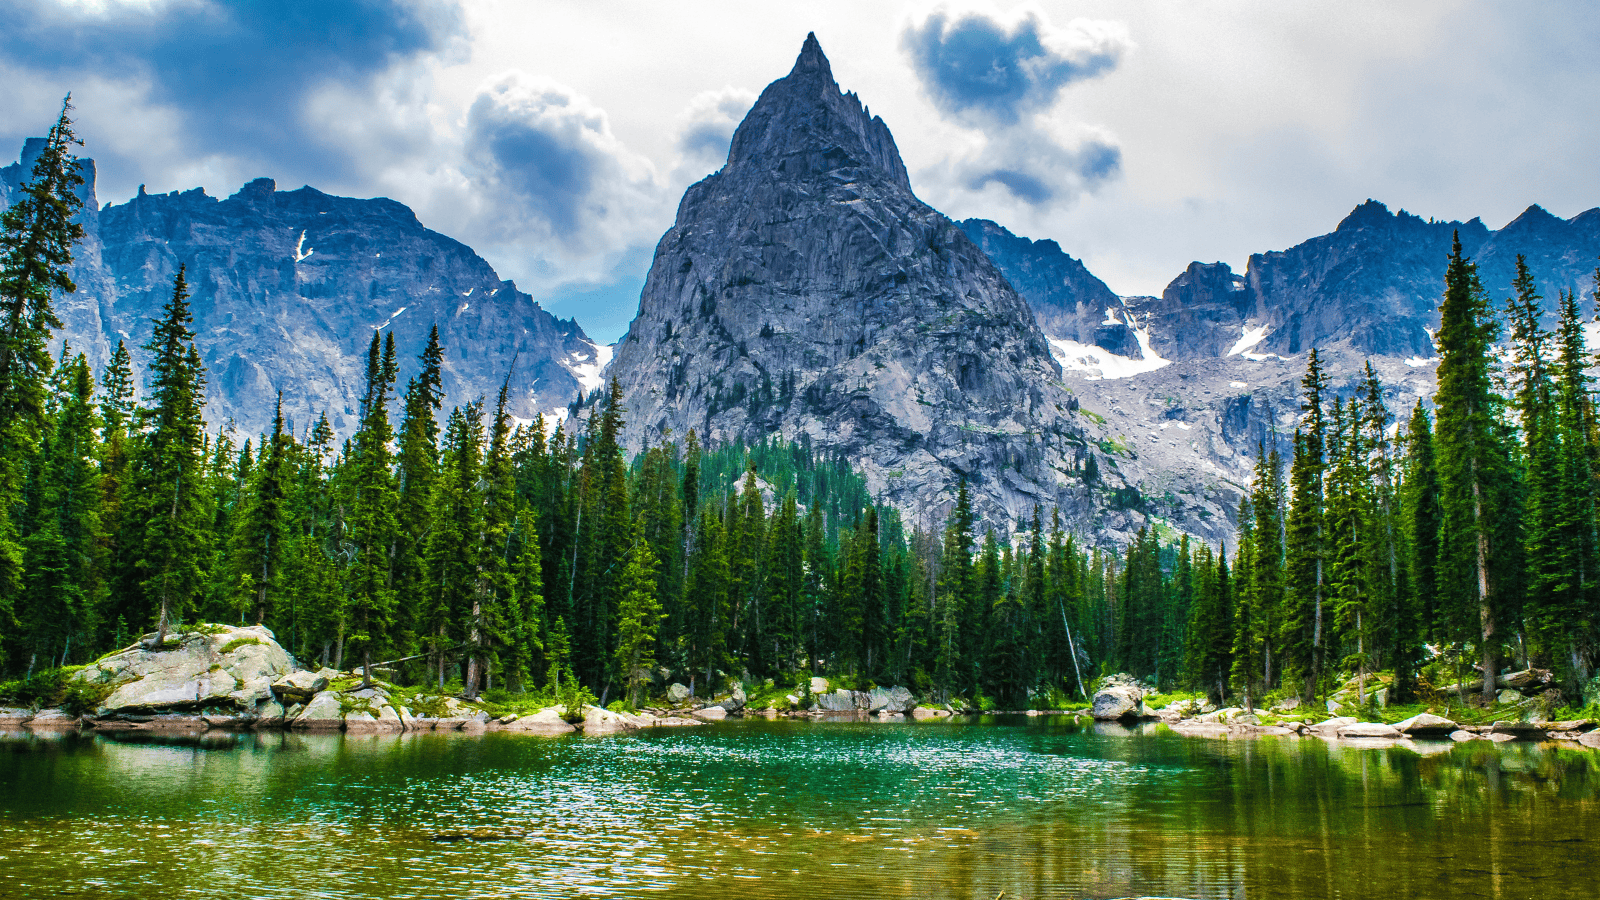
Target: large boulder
{"type": "Point", "coordinates": [298, 687]}
{"type": "Point", "coordinates": [323, 713]}
{"type": "Point", "coordinates": [1331, 726]}
{"type": "Point", "coordinates": [710, 714]}
{"type": "Point", "coordinates": [735, 700]}
{"type": "Point", "coordinates": [1590, 739]}
{"type": "Point", "coordinates": [597, 720]}
{"type": "Point", "coordinates": [1370, 730]}
{"type": "Point", "coordinates": [14, 716]}
{"type": "Point", "coordinates": [892, 699]}
{"type": "Point", "coordinates": [213, 668]}
{"type": "Point", "coordinates": [1426, 725]}
{"type": "Point", "coordinates": [1118, 701]}
{"type": "Point", "coordinates": [819, 685]}
{"type": "Point", "coordinates": [545, 721]}
{"type": "Point", "coordinates": [677, 693]}
{"type": "Point", "coordinates": [842, 701]}
{"type": "Point", "coordinates": [54, 718]}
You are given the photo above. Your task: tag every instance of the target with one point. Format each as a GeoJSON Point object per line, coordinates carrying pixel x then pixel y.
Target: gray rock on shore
{"type": "Point", "coordinates": [1426, 725]}
{"type": "Point", "coordinates": [1118, 701]}
{"type": "Point", "coordinates": [218, 667]}
{"type": "Point", "coordinates": [890, 700]}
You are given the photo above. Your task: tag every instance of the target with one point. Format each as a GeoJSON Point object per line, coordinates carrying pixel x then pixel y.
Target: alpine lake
{"type": "Point", "coordinates": [977, 808]}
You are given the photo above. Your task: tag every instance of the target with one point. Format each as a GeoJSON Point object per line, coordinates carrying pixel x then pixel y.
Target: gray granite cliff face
{"type": "Point", "coordinates": [1217, 377]}
{"type": "Point", "coordinates": [1371, 286]}
{"type": "Point", "coordinates": [287, 289]}
{"type": "Point", "coordinates": [1067, 300]}
{"type": "Point", "coordinates": [805, 291]}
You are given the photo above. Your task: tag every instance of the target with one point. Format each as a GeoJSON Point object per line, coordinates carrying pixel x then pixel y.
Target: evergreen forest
{"type": "Point", "coordinates": [450, 544]}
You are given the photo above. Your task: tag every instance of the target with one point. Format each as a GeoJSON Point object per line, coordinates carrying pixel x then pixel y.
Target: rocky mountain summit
{"type": "Point", "coordinates": [1372, 286]}
{"type": "Point", "coordinates": [1196, 380]}
{"type": "Point", "coordinates": [805, 291]}
{"type": "Point", "coordinates": [288, 288]}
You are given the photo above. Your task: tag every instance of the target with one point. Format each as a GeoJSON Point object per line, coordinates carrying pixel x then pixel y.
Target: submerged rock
{"type": "Point", "coordinates": [1369, 730]}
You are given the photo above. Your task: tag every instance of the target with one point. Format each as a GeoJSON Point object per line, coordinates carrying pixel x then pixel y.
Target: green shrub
{"type": "Point", "coordinates": [573, 698]}
{"type": "Point", "coordinates": [81, 698]}
{"type": "Point", "coordinates": [51, 688]}
{"type": "Point", "coordinates": [236, 643]}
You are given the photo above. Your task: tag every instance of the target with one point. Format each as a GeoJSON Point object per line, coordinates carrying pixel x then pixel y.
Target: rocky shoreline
{"type": "Point", "coordinates": [238, 678]}
{"type": "Point", "coordinates": [1121, 699]}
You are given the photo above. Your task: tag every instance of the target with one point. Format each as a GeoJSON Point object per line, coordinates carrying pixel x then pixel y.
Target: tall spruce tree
{"type": "Point", "coordinates": [37, 235]}
{"type": "Point", "coordinates": [166, 501]}
{"type": "Point", "coordinates": [1475, 471]}
{"type": "Point", "coordinates": [638, 617]}
{"type": "Point", "coordinates": [370, 525]}
{"type": "Point", "coordinates": [418, 471]}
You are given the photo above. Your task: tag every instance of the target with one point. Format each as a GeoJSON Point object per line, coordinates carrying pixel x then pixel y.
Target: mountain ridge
{"type": "Point", "coordinates": [287, 288]}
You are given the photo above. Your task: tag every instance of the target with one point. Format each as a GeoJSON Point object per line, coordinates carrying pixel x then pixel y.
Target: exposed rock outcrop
{"type": "Point", "coordinates": [287, 288]}
{"type": "Point", "coordinates": [1118, 701]}
{"type": "Point", "coordinates": [804, 291]}
{"type": "Point", "coordinates": [216, 668]}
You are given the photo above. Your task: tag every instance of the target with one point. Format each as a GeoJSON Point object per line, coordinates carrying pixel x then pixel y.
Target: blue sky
{"type": "Point", "coordinates": [556, 137]}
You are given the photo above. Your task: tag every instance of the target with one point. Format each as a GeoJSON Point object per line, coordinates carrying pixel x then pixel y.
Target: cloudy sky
{"type": "Point", "coordinates": [556, 137]}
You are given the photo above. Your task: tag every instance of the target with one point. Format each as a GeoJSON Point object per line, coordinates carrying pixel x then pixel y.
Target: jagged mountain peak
{"type": "Point", "coordinates": [1366, 214]}
{"type": "Point", "coordinates": [805, 292]}
{"type": "Point", "coordinates": [812, 60]}
{"type": "Point", "coordinates": [804, 124]}
{"type": "Point", "coordinates": [1535, 219]}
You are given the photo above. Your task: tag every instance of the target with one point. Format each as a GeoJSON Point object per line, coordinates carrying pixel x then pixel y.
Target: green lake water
{"type": "Point", "coordinates": [1032, 807]}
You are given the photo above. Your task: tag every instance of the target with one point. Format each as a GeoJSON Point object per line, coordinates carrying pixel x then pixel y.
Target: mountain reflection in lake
{"type": "Point", "coordinates": [1032, 807]}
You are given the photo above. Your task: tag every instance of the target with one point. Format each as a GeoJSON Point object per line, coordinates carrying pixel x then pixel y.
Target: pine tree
{"type": "Point", "coordinates": [260, 540]}
{"type": "Point", "coordinates": [418, 471]}
{"type": "Point", "coordinates": [954, 594]}
{"type": "Point", "coordinates": [1306, 572]}
{"type": "Point", "coordinates": [166, 502]}
{"type": "Point", "coordinates": [707, 595]}
{"type": "Point", "coordinates": [62, 576]}
{"type": "Point", "coordinates": [370, 525]}
{"type": "Point", "coordinates": [638, 617]}
{"type": "Point", "coordinates": [526, 604]}
{"type": "Point", "coordinates": [455, 524]}
{"type": "Point", "coordinates": [37, 235]}
{"type": "Point", "coordinates": [1579, 592]}
{"type": "Point", "coordinates": [1474, 465]}
{"type": "Point", "coordinates": [490, 624]}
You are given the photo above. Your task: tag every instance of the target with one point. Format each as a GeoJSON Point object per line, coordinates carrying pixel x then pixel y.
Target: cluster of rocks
{"type": "Point", "coordinates": [1121, 698]}
{"type": "Point", "coordinates": [813, 700]}
{"type": "Point", "coordinates": [240, 679]}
